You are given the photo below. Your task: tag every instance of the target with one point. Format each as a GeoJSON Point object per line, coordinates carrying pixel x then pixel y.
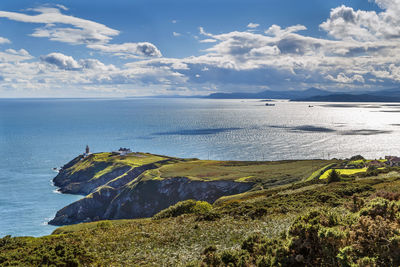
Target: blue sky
{"type": "Point", "coordinates": [135, 48]}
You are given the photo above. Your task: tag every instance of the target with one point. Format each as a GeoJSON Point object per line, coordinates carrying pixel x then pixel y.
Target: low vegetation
{"type": "Point", "coordinates": [341, 221]}
{"type": "Point", "coordinates": [263, 173]}
{"type": "Point", "coordinates": [106, 162]}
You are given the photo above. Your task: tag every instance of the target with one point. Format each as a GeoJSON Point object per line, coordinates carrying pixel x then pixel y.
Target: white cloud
{"type": "Point", "coordinates": [69, 29]}
{"type": "Point", "coordinates": [61, 61]}
{"type": "Point", "coordinates": [4, 40]}
{"type": "Point", "coordinates": [84, 31]}
{"type": "Point", "coordinates": [342, 78]}
{"type": "Point", "coordinates": [208, 41]}
{"type": "Point", "coordinates": [176, 34]}
{"type": "Point", "coordinates": [11, 55]}
{"type": "Point", "coordinates": [346, 23]}
{"type": "Point", "coordinates": [203, 32]}
{"type": "Point", "coordinates": [129, 49]}
{"type": "Point", "coordinates": [364, 52]}
{"type": "Point", "coordinates": [21, 52]}
{"type": "Point", "coordinates": [65, 62]}
{"type": "Point", "coordinates": [252, 25]}
{"type": "Point", "coordinates": [276, 30]}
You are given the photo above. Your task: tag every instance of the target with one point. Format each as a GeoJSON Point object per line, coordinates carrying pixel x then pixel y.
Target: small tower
{"type": "Point", "coordinates": [87, 150]}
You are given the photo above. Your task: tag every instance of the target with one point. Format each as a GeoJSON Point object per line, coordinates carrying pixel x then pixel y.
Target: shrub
{"type": "Point", "coordinates": [49, 252]}
{"type": "Point", "coordinates": [208, 216]}
{"type": "Point", "coordinates": [185, 207]}
{"type": "Point", "coordinates": [333, 177]}
{"type": "Point", "coordinates": [357, 157]}
{"type": "Point", "coordinates": [388, 195]}
{"type": "Point", "coordinates": [104, 224]}
{"type": "Point", "coordinates": [380, 207]}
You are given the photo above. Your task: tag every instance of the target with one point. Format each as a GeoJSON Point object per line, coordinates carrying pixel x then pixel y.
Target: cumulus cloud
{"type": "Point", "coordinates": [11, 55]}
{"type": "Point", "coordinates": [4, 40]}
{"type": "Point", "coordinates": [346, 23]}
{"type": "Point", "coordinates": [61, 61]}
{"type": "Point", "coordinates": [65, 62]}
{"type": "Point", "coordinates": [129, 49]}
{"type": "Point", "coordinates": [176, 34]}
{"type": "Point", "coordinates": [276, 30]}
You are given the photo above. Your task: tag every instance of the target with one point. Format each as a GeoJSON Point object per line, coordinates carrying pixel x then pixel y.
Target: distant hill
{"type": "Point", "coordinates": [351, 98]}
{"type": "Point", "coordinates": [317, 95]}
{"type": "Point", "coordinates": [387, 95]}
{"type": "Point", "coordinates": [271, 94]}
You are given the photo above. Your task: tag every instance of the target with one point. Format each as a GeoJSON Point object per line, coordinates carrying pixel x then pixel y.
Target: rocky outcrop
{"type": "Point", "coordinates": [84, 182]}
{"type": "Point", "coordinates": [81, 182]}
{"type": "Point", "coordinates": [144, 199]}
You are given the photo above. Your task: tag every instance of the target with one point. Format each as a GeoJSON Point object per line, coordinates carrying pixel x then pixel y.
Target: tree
{"type": "Point", "coordinates": [333, 177]}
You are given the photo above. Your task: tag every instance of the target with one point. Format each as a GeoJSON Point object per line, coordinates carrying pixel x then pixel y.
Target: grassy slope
{"type": "Point", "coordinates": [177, 241]}
{"type": "Point", "coordinates": [112, 161]}
{"type": "Point", "coordinates": [268, 172]}
{"type": "Point", "coordinates": [264, 174]}
{"type": "Point", "coordinates": [180, 240]}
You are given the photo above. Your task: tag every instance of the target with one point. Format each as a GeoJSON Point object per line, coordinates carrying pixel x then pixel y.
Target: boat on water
{"type": "Point", "coordinates": [269, 105]}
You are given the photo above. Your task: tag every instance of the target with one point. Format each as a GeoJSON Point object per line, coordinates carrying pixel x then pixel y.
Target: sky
{"type": "Point", "coordinates": [118, 48]}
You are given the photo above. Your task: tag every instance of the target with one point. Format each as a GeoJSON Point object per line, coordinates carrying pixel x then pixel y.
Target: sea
{"type": "Point", "coordinates": [37, 135]}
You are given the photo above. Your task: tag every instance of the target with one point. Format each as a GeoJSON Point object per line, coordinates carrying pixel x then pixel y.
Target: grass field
{"type": "Point", "coordinates": [112, 161]}
{"type": "Point", "coordinates": [343, 172]}
{"type": "Point", "coordinates": [258, 171]}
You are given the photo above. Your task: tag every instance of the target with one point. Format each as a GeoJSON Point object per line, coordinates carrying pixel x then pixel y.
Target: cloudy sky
{"type": "Point", "coordinates": [107, 48]}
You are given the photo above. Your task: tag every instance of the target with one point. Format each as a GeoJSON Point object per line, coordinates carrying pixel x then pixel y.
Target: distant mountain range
{"type": "Point", "coordinates": [271, 94]}
{"type": "Point", "coordinates": [314, 94]}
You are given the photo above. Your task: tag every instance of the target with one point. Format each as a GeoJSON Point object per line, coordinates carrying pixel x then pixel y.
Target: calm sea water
{"type": "Point", "coordinates": [37, 135]}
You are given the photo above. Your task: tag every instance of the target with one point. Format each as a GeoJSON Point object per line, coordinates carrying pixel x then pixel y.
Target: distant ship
{"type": "Point", "coordinates": [270, 105]}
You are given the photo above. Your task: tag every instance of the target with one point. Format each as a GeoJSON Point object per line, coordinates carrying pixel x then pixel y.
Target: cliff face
{"type": "Point", "coordinates": [122, 193]}
{"type": "Point", "coordinates": [144, 199]}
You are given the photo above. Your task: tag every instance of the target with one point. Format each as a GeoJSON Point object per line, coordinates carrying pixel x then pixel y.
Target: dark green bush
{"type": "Point", "coordinates": [333, 177]}
{"type": "Point", "coordinates": [185, 207]}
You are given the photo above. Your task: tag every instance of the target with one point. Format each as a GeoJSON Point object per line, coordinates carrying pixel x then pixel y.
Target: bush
{"type": "Point", "coordinates": [357, 157]}
{"type": "Point", "coordinates": [104, 224]}
{"type": "Point", "coordinates": [333, 177]}
{"type": "Point", "coordinates": [381, 207]}
{"type": "Point", "coordinates": [49, 252]}
{"type": "Point", "coordinates": [185, 207]}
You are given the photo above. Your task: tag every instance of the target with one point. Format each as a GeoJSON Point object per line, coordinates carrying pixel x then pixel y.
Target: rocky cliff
{"type": "Point", "coordinates": [116, 188]}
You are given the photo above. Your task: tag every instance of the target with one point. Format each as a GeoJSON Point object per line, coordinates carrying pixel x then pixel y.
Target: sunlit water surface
{"type": "Point", "coordinates": [37, 135]}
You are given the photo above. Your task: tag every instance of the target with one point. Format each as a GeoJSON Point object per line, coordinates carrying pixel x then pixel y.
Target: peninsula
{"type": "Point", "coordinates": [135, 185]}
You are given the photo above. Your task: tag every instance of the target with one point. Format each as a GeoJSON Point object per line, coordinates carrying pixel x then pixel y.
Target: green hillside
{"type": "Point", "coordinates": [315, 223]}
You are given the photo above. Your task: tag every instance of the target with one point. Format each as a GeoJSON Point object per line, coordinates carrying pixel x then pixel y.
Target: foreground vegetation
{"type": "Point", "coordinates": [343, 220]}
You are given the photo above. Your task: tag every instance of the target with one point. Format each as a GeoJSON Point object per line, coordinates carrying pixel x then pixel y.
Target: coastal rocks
{"type": "Point", "coordinates": [81, 182]}
{"type": "Point", "coordinates": [87, 209]}
{"type": "Point", "coordinates": [144, 199]}
{"type": "Point", "coordinates": [149, 197]}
